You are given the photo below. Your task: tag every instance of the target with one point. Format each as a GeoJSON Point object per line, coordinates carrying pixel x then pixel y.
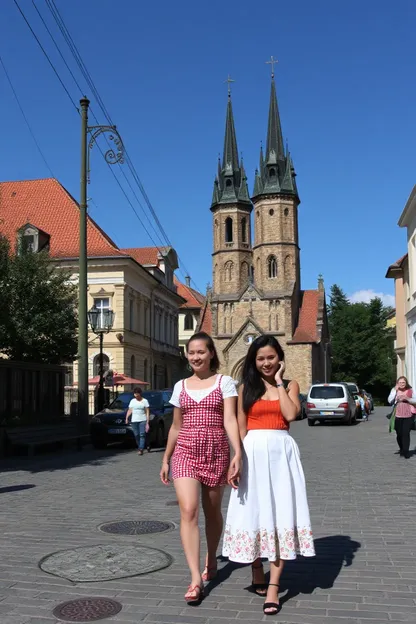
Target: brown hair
{"type": "Point", "coordinates": [215, 361]}
{"type": "Point", "coordinates": [408, 386]}
{"type": "Point", "coordinates": [137, 390]}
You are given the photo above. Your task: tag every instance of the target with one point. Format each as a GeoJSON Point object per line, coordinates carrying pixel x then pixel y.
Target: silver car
{"type": "Point", "coordinates": [332, 401]}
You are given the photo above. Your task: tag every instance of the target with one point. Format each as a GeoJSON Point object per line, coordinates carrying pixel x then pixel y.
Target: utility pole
{"type": "Point", "coordinates": [112, 156]}
{"type": "Point", "coordinates": [83, 415]}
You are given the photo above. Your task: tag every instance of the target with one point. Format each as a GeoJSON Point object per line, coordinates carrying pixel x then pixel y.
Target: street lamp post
{"type": "Point", "coordinates": [112, 156]}
{"type": "Point", "coordinates": [101, 322]}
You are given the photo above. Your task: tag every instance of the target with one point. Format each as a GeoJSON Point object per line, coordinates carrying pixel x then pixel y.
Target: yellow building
{"type": "Point", "coordinates": [137, 284]}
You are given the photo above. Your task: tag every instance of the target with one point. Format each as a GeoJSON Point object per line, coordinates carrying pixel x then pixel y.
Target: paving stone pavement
{"type": "Point", "coordinates": [362, 500]}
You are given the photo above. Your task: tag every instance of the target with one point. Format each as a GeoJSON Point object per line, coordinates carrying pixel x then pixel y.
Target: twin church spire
{"type": "Point", "coordinates": [276, 172]}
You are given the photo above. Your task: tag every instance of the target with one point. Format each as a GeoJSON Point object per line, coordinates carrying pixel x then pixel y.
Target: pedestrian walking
{"type": "Point", "coordinates": [268, 515]}
{"type": "Point", "coordinates": [403, 398]}
{"type": "Point", "coordinates": [197, 455]}
{"type": "Point", "coordinates": [139, 411]}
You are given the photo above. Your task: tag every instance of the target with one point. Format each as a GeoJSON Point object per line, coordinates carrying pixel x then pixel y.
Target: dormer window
{"type": "Point", "coordinates": [33, 239]}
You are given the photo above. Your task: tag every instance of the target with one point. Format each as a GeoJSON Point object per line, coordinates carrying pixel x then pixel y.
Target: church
{"type": "Point", "coordinates": [256, 272]}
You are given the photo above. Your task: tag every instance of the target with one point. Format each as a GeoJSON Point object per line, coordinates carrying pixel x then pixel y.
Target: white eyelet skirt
{"type": "Point", "coordinates": [268, 516]}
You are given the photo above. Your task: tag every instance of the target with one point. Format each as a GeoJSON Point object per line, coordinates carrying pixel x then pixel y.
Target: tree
{"type": "Point", "coordinates": [38, 317]}
{"type": "Point", "coordinates": [361, 343]}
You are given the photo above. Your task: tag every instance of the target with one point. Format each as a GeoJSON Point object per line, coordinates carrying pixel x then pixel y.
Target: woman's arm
{"type": "Point", "coordinates": [289, 401]}
{"type": "Point", "coordinates": [173, 434]}
{"type": "Point", "coordinates": [148, 415]}
{"type": "Point", "coordinates": [230, 424]}
{"type": "Point", "coordinates": [241, 415]}
{"type": "Point", "coordinates": [129, 413]}
{"type": "Point", "coordinates": [392, 396]}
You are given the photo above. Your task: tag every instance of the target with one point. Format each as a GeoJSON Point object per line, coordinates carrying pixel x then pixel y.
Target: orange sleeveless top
{"type": "Point", "coordinates": [266, 415]}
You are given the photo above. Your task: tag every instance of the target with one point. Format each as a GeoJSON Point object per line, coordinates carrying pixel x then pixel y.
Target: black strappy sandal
{"type": "Point", "coordinates": [276, 606]}
{"type": "Point", "coordinates": [258, 587]}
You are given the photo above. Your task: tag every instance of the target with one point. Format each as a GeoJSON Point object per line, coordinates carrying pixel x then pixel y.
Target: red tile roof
{"type": "Point", "coordinates": [306, 331]}
{"type": "Point", "coordinates": [47, 205]}
{"type": "Point", "coordinates": [193, 298]}
{"type": "Point", "coordinates": [147, 256]}
{"type": "Point", "coordinates": [205, 320]}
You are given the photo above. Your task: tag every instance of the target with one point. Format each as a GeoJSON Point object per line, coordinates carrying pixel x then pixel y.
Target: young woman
{"type": "Point", "coordinates": [403, 396]}
{"type": "Point", "coordinates": [268, 515]}
{"type": "Point", "coordinates": [139, 411]}
{"type": "Point", "coordinates": [199, 455]}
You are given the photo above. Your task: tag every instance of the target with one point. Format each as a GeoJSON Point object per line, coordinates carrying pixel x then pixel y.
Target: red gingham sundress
{"type": "Point", "coordinates": [202, 451]}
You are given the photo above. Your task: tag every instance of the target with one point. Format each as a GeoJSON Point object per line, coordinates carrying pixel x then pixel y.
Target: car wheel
{"type": "Point", "coordinates": [311, 422]}
{"type": "Point", "coordinates": [160, 435]}
{"type": "Point", "coordinates": [99, 444]}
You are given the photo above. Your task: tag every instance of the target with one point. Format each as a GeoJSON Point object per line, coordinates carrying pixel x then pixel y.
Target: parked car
{"type": "Point", "coordinates": [303, 400]}
{"type": "Point", "coordinates": [352, 387]}
{"type": "Point", "coordinates": [332, 401]}
{"type": "Point", "coordinates": [109, 425]}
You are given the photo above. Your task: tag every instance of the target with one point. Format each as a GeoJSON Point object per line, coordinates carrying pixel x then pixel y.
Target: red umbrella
{"type": "Point", "coordinates": [119, 379]}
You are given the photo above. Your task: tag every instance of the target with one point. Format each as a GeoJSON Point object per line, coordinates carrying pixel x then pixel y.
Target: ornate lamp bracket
{"type": "Point", "coordinates": [113, 155]}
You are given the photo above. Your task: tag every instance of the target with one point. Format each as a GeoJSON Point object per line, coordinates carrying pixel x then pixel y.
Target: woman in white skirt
{"type": "Point", "coordinates": [268, 515]}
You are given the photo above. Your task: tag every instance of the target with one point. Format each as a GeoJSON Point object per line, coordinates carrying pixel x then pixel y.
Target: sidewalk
{"type": "Point", "coordinates": [362, 500]}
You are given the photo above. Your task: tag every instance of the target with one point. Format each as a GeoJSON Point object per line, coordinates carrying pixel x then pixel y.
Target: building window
{"type": "Point", "coordinates": [272, 173]}
{"type": "Point", "coordinates": [244, 230]}
{"type": "Point", "coordinates": [228, 271]}
{"type": "Point", "coordinates": [155, 376]}
{"type": "Point", "coordinates": [189, 322]}
{"type": "Point", "coordinates": [145, 370]}
{"type": "Point", "coordinates": [228, 182]}
{"type": "Point", "coordinates": [133, 366]}
{"type": "Point", "coordinates": [272, 267]}
{"type": "Point", "coordinates": [228, 230]}
{"type": "Point", "coordinates": [286, 212]}
{"type": "Point", "coordinates": [131, 314]}
{"type": "Point", "coordinates": [96, 364]}
{"type": "Point", "coordinates": [271, 212]}
{"type": "Point", "coordinates": [102, 304]}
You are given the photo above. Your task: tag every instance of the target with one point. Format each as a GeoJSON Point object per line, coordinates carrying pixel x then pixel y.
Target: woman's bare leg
{"type": "Point", "coordinates": [276, 569]}
{"type": "Point", "coordinates": [211, 504]}
{"type": "Point", "coordinates": [187, 491]}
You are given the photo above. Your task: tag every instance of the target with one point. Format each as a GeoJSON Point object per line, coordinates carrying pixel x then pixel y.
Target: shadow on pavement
{"type": "Point", "coordinates": [16, 488]}
{"type": "Point", "coordinates": [304, 575]}
{"type": "Point", "coordinates": [63, 460]}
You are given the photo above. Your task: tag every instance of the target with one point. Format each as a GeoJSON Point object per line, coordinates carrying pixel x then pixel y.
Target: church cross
{"type": "Point", "coordinates": [272, 62]}
{"type": "Point", "coordinates": [229, 81]}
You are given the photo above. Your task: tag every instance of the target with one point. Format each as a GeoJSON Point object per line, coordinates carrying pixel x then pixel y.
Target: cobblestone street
{"type": "Point", "coordinates": [362, 500]}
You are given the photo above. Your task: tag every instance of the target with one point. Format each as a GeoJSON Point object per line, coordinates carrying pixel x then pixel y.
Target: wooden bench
{"type": "Point", "coordinates": [43, 435]}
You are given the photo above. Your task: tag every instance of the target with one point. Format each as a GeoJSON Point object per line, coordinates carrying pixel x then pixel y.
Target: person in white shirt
{"type": "Point", "coordinates": [139, 411]}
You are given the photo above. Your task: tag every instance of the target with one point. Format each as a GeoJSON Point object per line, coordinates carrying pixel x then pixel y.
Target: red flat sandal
{"type": "Point", "coordinates": [198, 596]}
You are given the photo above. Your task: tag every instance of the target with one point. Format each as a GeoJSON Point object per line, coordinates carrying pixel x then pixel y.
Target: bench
{"type": "Point", "coordinates": [43, 435]}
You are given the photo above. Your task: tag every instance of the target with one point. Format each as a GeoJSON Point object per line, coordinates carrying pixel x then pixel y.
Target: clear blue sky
{"type": "Point", "coordinates": [346, 90]}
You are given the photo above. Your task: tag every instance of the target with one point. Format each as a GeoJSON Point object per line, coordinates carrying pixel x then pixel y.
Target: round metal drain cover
{"type": "Point", "coordinates": [136, 527]}
{"type": "Point", "coordinates": [87, 609]}
{"type": "Point", "coordinates": [105, 562]}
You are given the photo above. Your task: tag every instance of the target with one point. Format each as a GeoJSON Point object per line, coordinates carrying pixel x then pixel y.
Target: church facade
{"type": "Point", "coordinates": [256, 279]}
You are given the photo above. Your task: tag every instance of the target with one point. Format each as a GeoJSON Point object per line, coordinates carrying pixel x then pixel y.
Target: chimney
{"type": "Point", "coordinates": [321, 286]}
{"type": "Point", "coordinates": [187, 280]}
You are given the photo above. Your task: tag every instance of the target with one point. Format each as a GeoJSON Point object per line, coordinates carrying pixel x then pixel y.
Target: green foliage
{"type": "Point", "coordinates": [361, 343]}
{"type": "Point", "coordinates": [38, 318]}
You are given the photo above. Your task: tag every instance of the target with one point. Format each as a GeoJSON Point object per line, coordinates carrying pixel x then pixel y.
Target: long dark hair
{"type": "Point", "coordinates": [215, 361]}
{"type": "Point", "coordinates": [254, 387]}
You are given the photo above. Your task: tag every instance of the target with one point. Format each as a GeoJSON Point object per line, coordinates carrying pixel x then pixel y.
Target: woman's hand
{"type": "Point", "coordinates": [234, 471]}
{"type": "Point", "coordinates": [164, 472]}
{"type": "Point", "coordinates": [279, 375]}
{"type": "Point", "coordinates": [147, 427]}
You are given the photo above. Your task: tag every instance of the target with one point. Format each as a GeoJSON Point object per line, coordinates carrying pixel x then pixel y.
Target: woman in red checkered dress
{"type": "Point", "coordinates": [197, 455]}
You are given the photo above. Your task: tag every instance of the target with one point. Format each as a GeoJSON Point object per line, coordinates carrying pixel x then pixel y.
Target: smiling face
{"type": "Point", "coordinates": [402, 383]}
{"type": "Point", "coordinates": [199, 356]}
{"type": "Point", "coordinates": [267, 361]}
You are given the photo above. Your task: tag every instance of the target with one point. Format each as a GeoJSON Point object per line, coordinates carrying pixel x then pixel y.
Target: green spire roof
{"type": "Point", "coordinates": [276, 174]}
{"type": "Point", "coordinates": [231, 182]}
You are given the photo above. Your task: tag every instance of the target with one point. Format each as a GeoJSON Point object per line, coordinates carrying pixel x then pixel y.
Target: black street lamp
{"type": "Point", "coordinates": [101, 322]}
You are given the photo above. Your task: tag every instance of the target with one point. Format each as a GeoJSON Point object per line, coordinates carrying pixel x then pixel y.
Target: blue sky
{"type": "Point", "coordinates": [346, 90]}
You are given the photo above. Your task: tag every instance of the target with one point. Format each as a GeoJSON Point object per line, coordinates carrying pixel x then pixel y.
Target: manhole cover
{"type": "Point", "coordinates": [104, 562]}
{"type": "Point", "coordinates": [136, 527]}
{"type": "Point", "coordinates": [87, 609]}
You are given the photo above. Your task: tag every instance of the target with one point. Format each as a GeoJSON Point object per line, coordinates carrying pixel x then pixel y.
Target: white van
{"type": "Point", "coordinates": [332, 401]}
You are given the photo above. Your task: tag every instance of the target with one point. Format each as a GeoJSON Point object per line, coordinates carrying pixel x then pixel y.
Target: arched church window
{"type": "Point", "coordinates": [272, 173]}
{"type": "Point", "coordinates": [286, 212]}
{"type": "Point", "coordinates": [228, 182]}
{"type": "Point", "coordinates": [271, 212]}
{"type": "Point", "coordinates": [96, 364]}
{"type": "Point", "coordinates": [228, 271]}
{"type": "Point", "coordinates": [228, 230]}
{"type": "Point", "coordinates": [272, 267]}
{"type": "Point", "coordinates": [244, 230]}
{"type": "Point", "coordinates": [244, 270]}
